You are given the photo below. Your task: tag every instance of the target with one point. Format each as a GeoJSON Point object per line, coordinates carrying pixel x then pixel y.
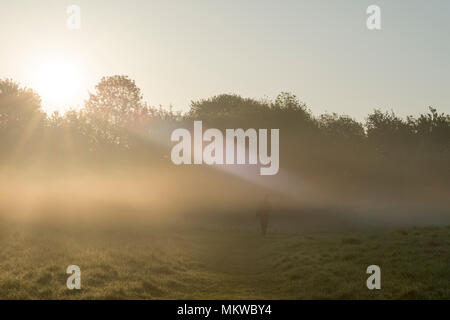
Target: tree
{"type": "Point", "coordinates": [117, 101]}
{"type": "Point", "coordinates": [341, 126]}
{"type": "Point", "coordinates": [388, 133]}
{"type": "Point", "coordinates": [116, 111]}
{"type": "Point", "coordinates": [19, 107]}
{"type": "Point", "coordinates": [226, 106]}
{"type": "Point", "coordinates": [288, 111]}
{"type": "Point", "coordinates": [21, 119]}
{"type": "Point", "coordinates": [433, 129]}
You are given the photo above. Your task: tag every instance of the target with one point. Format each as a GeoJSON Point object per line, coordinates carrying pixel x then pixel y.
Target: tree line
{"type": "Point", "coordinates": [117, 124]}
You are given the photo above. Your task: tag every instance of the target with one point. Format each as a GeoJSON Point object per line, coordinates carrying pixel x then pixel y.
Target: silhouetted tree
{"type": "Point", "coordinates": [432, 129]}
{"type": "Point", "coordinates": [388, 133]}
{"type": "Point", "coordinates": [116, 110]}
{"type": "Point", "coordinates": [21, 119]}
{"type": "Point", "coordinates": [227, 108]}
{"type": "Point", "coordinates": [342, 127]}
{"type": "Point", "coordinates": [118, 101]}
{"type": "Point", "coordinates": [18, 106]}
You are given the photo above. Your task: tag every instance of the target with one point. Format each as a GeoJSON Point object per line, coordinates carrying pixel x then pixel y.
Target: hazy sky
{"type": "Point", "coordinates": [178, 51]}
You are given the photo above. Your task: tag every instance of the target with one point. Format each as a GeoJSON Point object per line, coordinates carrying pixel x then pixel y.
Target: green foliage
{"type": "Point", "coordinates": [117, 123]}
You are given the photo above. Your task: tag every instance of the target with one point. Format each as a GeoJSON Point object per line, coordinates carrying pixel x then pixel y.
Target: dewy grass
{"type": "Point", "coordinates": [163, 263]}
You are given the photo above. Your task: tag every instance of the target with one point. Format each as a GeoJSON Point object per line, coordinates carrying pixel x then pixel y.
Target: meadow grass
{"type": "Point", "coordinates": [144, 262]}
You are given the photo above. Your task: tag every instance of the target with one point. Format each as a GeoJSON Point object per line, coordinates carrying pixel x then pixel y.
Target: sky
{"type": "Point", "coordinates": [179, 51]}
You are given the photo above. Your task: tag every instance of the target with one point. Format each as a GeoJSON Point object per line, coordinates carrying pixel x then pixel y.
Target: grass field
{"type": "Point", "coordinates": [131, 262]}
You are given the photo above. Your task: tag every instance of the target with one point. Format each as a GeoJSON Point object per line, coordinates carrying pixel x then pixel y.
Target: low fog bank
{"type": "Point", "coordinates": [198, 197]}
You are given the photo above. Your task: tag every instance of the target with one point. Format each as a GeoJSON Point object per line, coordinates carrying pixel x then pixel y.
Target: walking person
{"type": "Point", "coordinates": [262, 214]}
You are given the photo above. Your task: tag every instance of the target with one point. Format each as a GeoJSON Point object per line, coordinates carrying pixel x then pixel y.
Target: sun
{"type": "Point", "coordinates": [59, 83]}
